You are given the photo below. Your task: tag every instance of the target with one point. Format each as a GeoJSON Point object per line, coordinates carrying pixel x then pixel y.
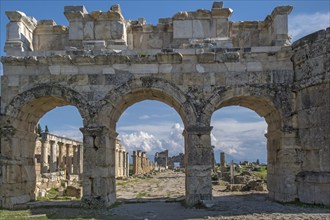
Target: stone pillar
{"type": "Point", "coordinates": [139, 162]}
{"type": "Point", "coordinates": [17, 174]}
{"type": "Point", "coordinates": [198, 163]}
{"type": "Point", "coordinates": [127, 164]}
{"type": "Point", "coordinates": [143, 162]}
{"type": "Point", "coordinates": [99, 182]}
{"type": "Point", "coordinates": [52, 163]}
{"type": "Point", "coordinates": [120, 163]}
{"type": "Point", "coordinates": [19, 32]}
{"type": "Point", "coordinates": [75, 160]}
{"type": "Point", "coordinates": [60, 165]}
{"type": "Point", "coordinates": [280, 25]}
{"type": "Point", "coordinates": [80, 159]}
{"type": "Point", "coordinates": [44, 154]}
{"type": "Point", "coordinates": [124, 163]}
{"type": "Point", "coordinates": [68, 161]}
{"type": "Point", "coordinates": [222, 159]}
{"type": "Point", "coordinates": [135, 162]}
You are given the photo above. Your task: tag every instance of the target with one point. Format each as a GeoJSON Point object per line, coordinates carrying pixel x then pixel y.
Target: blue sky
{"type": "Point", "coordinates": [152, 125]}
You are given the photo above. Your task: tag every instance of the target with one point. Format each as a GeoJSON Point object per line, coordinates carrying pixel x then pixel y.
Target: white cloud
{"type": "Point", "coordinates": [301, 25]}
{"type": "Point", "coordinates": [244, 141]}
{"type": "Point", "coordinates": [147, 141]}
{"type": "Point", "coordinates": [160, 130]}
{"type": "Point", "coordinates": [143, 117]}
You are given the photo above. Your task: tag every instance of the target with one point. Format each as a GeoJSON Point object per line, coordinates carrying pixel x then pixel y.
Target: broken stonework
{"type": "Point", "coordinates": [196, 62]}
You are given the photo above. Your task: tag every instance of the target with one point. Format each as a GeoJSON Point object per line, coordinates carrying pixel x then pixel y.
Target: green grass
{"type": "Point", "coordinates": [53, 194]}
{"type": "Point", "coordinates": [19, 214]}
{"type": "Point", "coordinates": [141, 195]}
{"type": "Point", "coordinates": [262, 173]}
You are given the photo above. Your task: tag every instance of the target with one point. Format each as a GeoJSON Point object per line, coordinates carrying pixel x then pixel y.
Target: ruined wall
{"type": "Point", "coordinates": [312, 85]}
{"type": "Point", "coordinates": [104, 31]}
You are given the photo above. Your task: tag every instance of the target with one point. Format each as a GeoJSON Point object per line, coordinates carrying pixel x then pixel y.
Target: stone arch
{"type": "Point", "coordinates": [282, 142]}
{"type": "Point", "coordinates": [104, 134]}
{"type": "Point", "coordinates": [147, 88]}
{"type": "Point", "coordinates": [33, 103]}
{"type": "Point", "coordinates": [18, 138]}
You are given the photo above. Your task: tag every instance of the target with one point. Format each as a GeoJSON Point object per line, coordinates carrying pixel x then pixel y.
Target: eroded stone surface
{"type": "Point", "coordinates": [196, 62]}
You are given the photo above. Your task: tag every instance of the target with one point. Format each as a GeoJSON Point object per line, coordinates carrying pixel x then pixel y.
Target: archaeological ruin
{"type": "Point", "coordinates": [141, 163]}
{"type": "Point", "coordinates": [196, 62]}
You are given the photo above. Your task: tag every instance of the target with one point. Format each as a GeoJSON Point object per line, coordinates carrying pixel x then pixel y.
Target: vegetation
{"type": "Point", "coordinates": [261, 171]}
{"type": "Point", "coordinates": [19, 214]}
{"type": "Point", "coordinates": [53, 194]}
{"type": "Point", "coordinates": [141, 195]}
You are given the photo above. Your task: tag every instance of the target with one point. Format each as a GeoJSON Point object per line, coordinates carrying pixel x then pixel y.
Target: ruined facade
{"type": "Point", "coordinates": [197, 62]}
{"type": "Point", "coordinates": [176, 159]}
{"type": "Point", "coordinates": [141, 164]}
{"type": "Point", "coordinates": [161, 158]}
{"type": "Point", "coordinates": [122, 161]}
{"type": "Point", "coordinates": [56, 158]}
{"type": "Point", "coordinates": [55, 153]}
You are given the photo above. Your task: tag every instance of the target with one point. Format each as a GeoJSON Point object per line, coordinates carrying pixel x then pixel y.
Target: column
{"type": "Point", "coordinates": [52, 164]}
{"type": "Point", "coordinates": [68, 161]}
{"type": "Point", "coordinates": [143, 162]}
{"type": "Point", "coordinates": [60, 165]}
{"type": "Point", "coordinates": [44, 154]}
{"type": "Point", "coordinates": [124, 163]}
{"type": "Point", "coordinates": [222, 159]}
{"type": "Point", "coordinates": [120, 167]}
{"type": "Point", "coordinates": [127, 164]}
{"type": "Point", "coordinates": [99, 182]}
{"type": "Point", "coordinates": [135, 162]}
{"type": "Point", "coordinates": [80, 159]}
{"type": "Point", "coordinates": [198, 163]}
{"type": "Point", "coordinates": [75, 159]}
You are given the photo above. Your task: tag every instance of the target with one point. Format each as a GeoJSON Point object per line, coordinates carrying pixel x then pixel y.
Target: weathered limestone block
{"type": "Point", "coordinates": [169, 58]}
{"type": "Point", "coordinates": [314, 187]}
{"type": "Point", "coordinates": [182, 29]}
{"type": "Point", "coordinates": [19, 32]}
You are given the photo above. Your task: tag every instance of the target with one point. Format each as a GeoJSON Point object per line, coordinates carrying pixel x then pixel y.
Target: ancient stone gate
{"type": "Point", "coordinates": [196, 62]}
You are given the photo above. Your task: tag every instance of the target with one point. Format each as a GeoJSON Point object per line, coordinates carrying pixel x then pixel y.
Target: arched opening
{"type": "Point", "coordinates": [59, 155]}
{"type": "Point", "coordinates": [21, 117]}
{"type": "Point", "coordinates": [150, 136]}
{"type": "Point", "coordinates": [240, 150]}
{"type": "Point", "coordinates": [113, 106]}
{"type": "Point", "coordinates": [265, 108]}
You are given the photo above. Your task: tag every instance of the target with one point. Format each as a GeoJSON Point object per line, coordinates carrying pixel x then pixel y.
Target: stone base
{"type": "Point", "coordinates": [98, 201]}
{"type": "Point", "coordinates": [194, 199]}
{"type": "Point", "coordinates": [10, 202]}
{"type": "Point", "coordinates": [314, 187]}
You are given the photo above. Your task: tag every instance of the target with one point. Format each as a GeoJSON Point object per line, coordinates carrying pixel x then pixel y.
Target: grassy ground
{"type": "Point", "coordinates": [262, 173]}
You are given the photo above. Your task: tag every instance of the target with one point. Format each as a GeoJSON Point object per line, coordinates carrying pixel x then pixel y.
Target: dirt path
{"type": "Point", "coordinates": [157, 196]}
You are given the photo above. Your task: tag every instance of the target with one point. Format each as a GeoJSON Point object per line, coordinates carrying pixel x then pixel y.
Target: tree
{"type": "Point", "coordinates": [257, 162]}
{"type": "Point", "coordinates": [46, 129]}
{"type": "Point", "coordinates": [39, 130]}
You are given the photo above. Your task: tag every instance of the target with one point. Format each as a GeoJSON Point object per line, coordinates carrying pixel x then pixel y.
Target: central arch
{"type": "Point", "coordinates": [125, 95]}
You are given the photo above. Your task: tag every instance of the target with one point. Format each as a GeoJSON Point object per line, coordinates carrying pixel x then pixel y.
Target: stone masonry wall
{"type": "Point", "coordinates": [196, 62]}
{"type": "Point", "coordinates": [312, 83]}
